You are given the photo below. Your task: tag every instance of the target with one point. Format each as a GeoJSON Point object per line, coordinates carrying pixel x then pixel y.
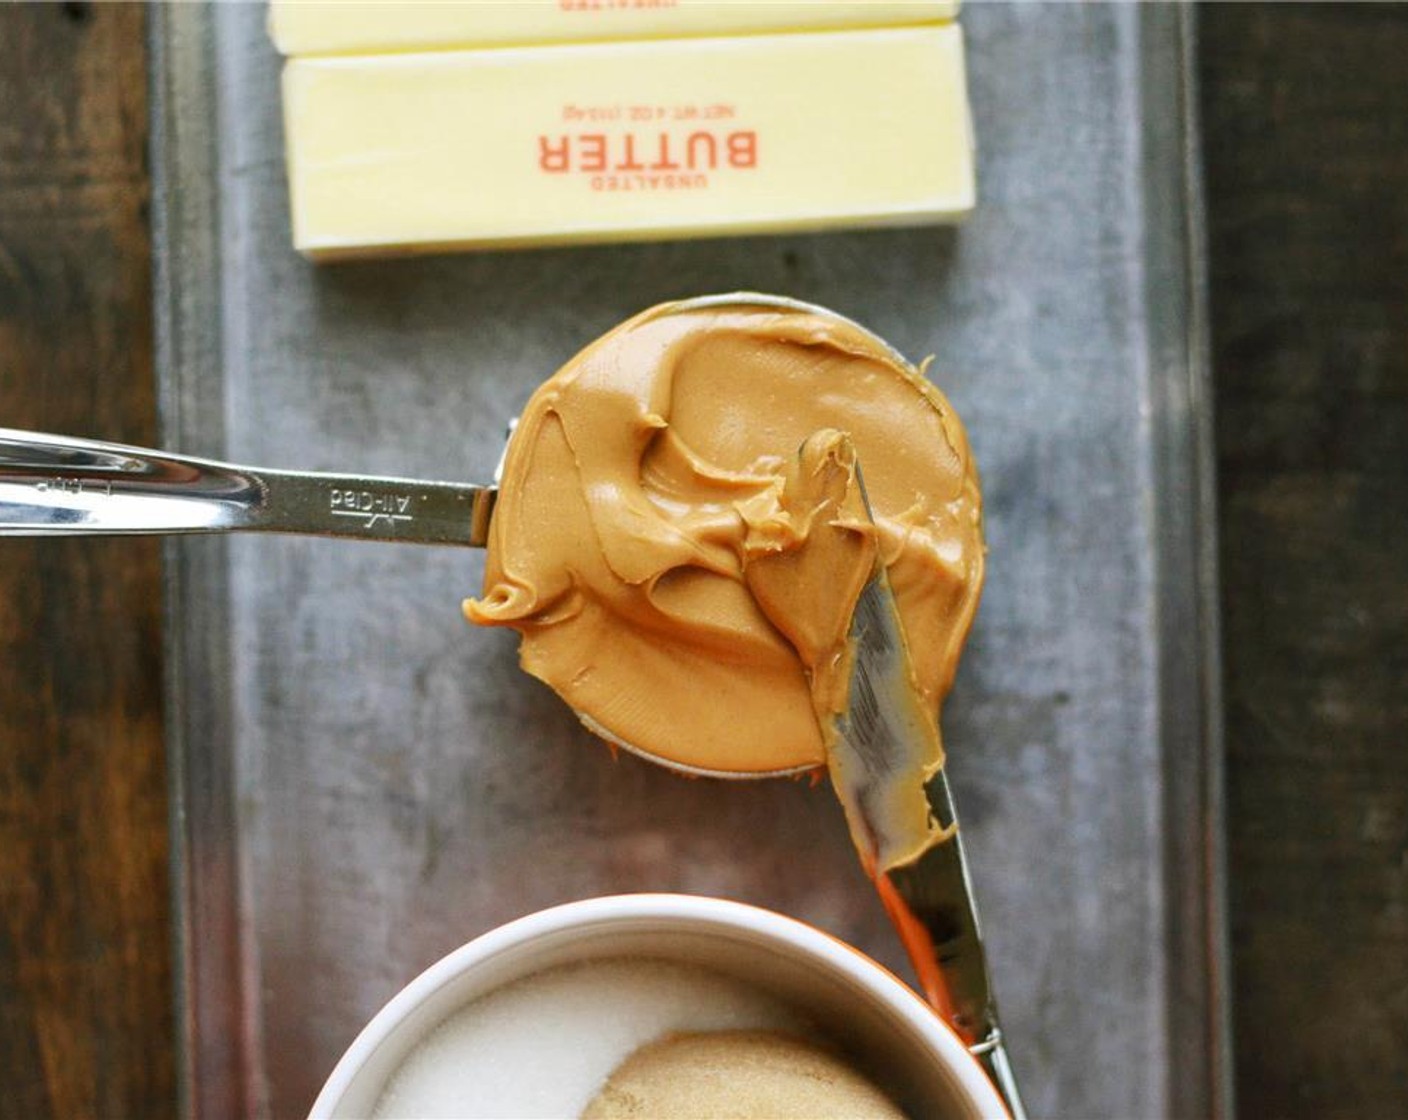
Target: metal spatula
{"type": "Point", "coordinates": [884, 721]}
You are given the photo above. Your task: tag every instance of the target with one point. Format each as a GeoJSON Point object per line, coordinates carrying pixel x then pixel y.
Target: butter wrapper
{"type": "Point", "coordinates": [628, 140]}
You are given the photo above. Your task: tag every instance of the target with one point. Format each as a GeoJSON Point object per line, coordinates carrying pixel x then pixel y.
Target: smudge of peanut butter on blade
{"type": "Point", "coordinates": [881, 737]}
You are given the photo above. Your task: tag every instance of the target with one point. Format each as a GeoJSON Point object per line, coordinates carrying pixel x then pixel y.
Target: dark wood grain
{"type": "Point", "coordinates": [1306, 145]}
{"type": "Point", "coordinates": [85, 1006]}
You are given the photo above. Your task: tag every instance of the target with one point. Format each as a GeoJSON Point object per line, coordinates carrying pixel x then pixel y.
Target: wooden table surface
{"type": "Point", "coordinates": [1305, 114]}
{"type": "Point", "coordinates": [1305, 120]}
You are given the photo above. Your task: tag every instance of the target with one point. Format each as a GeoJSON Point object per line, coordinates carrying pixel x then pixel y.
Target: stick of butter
{"type": "Point", "coordinates": [627, 141]}
{"type": "Point", "coordinates": [301, 27]}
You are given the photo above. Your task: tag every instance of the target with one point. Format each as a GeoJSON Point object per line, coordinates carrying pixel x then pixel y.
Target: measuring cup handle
{"type": "Point", "coordinates": [60, 486]}
{"type": "Point", "coordinates": [53, 485]}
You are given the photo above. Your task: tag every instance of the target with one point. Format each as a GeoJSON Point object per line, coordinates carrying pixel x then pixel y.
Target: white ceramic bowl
{"type": "Point", "coordinates": [863, 1007]}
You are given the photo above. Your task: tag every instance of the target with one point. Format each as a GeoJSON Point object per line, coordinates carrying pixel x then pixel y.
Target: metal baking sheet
{"type": "Point", "coordinates": [362, 782]}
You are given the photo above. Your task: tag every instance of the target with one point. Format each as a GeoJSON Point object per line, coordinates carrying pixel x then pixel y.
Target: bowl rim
{"type": "Point", "coordinates": [703, 914]}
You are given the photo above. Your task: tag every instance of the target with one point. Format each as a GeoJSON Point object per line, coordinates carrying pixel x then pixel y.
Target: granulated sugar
{"type": "Point", "coordinates": [543, 1046]}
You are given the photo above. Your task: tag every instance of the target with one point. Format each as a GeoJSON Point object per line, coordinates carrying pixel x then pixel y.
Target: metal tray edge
{"type": "Point", "coordinates": [186, 301]}
{"type": "Point", "coordinates": [1185, 504]}
{"type": "Point", "coordinates": [186, 234]}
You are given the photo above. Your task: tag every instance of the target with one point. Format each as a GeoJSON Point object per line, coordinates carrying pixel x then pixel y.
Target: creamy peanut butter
{"type": "Point", "coordinates": [654, 537]}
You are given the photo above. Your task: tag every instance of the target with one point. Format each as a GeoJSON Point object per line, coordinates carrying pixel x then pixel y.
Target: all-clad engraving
{"type": "Point", "coordinates": [372, 508]}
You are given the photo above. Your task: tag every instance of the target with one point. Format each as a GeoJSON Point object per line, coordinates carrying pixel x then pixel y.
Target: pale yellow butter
{"type": "Point", "coordinates": [302, 27]}
{"type": "Point", "coordinates": [628, 141]}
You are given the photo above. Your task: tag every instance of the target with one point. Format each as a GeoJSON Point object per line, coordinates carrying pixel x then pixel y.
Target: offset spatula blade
{"type": "Point", "coordinates": [884, 729]}
{"type": "Point", "coordinates": [938, 891]}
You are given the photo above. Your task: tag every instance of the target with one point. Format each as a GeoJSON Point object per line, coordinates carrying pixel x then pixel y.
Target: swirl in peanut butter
{"type": "Point", "coordinates": [649, 505]}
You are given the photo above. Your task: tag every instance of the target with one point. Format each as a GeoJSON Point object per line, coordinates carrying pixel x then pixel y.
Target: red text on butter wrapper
{"type": "Point", "coordinates": [596, 152]}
